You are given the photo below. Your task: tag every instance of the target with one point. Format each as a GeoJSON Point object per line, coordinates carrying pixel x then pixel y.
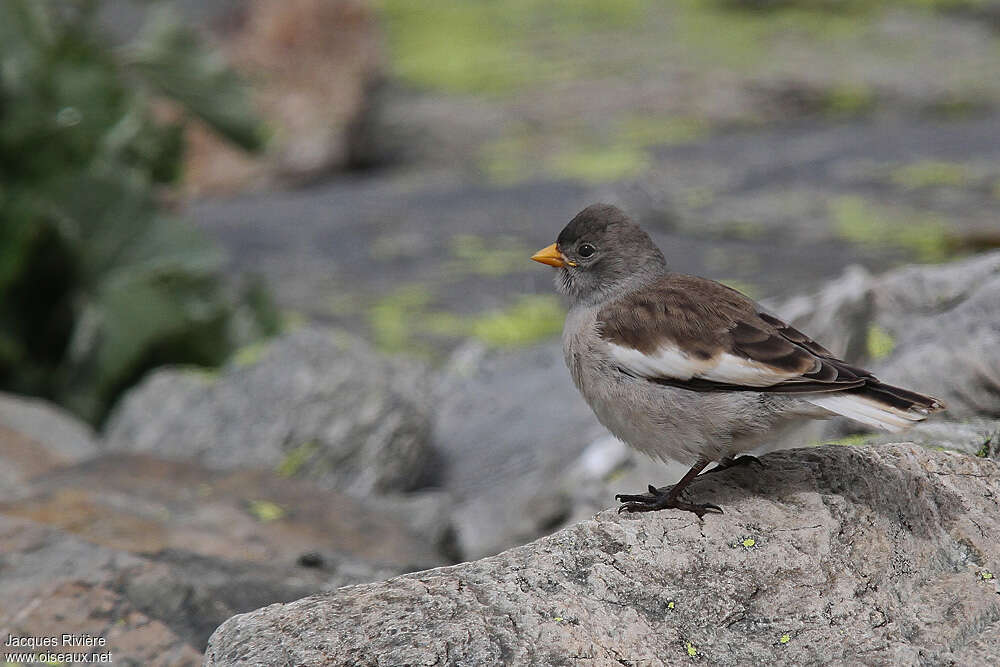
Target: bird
{"type": "Point", "coordinates": [685, 368]}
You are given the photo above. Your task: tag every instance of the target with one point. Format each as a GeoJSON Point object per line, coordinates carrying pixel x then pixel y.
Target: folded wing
{"type": "Point", "coordinates": [700, 335]}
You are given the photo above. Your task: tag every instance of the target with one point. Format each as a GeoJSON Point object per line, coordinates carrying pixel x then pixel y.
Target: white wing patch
{"type": "Point", "coordinates": [672, 363]}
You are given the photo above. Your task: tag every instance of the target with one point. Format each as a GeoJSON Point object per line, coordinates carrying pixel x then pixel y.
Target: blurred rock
{"type": "Point", "coordinates": [314, 403]}
{"type": "Point", "coordinates": [141, 504]}
{"type": "Point", "coordinates": [36, 436]}
{"type": "Point", "coordinates": [314, 67]}
{"type": "Point", "coordinates": [55, 583]}
{"type": "Point", "coordinates": [934, 328]}
{"type": "Point", "coordinates": [894, 547]}
{"type": "Point", "coordinates": [978, 437]}
{"type": "Point", "coordinates": [506, 425]}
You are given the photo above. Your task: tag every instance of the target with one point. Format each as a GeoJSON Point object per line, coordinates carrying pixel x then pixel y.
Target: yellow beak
{"type": "Point", "coordinates": [550, 255]}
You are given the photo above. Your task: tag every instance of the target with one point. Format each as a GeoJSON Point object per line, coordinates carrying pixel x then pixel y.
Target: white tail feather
{"type": "Point", "coordinates": [869, 411]}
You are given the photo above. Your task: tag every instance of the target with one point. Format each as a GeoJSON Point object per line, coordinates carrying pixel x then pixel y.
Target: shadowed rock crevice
{"type": "Point", "coordinates": [843, 554]}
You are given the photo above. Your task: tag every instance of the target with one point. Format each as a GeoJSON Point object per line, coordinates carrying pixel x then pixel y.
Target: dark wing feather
{"type": "Point", "coordinates": [721, 337]}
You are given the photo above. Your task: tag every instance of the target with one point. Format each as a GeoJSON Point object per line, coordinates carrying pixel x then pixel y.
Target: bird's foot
{"type": "Point", "coordinates": [737, 461]}
{"type": "Point", "coordinates": [656, 499]}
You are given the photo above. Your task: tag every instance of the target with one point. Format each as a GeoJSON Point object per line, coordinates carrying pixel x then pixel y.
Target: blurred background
{"type": "Point", "coordinates": [266, 308]}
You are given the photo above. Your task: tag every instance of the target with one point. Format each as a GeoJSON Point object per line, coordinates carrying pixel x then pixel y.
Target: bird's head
{"type": "Point", "coordinates": [600, 253]}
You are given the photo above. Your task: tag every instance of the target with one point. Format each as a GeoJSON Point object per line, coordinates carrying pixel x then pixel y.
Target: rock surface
{"type": "Point", "coordinates": [313, 403]}
{"type": "Point", "coordinates": [934, 328]}
{"type": "Point", "coordinates": [56, 583]}
{"type": "Point", "coordinates": [36, 436]}
{"type": "Point", "coordinates": [850, 555]}
{"type": "Point", "coordinates": [141, 504]}
{"type": "Point", "coordinates": [506, 425]}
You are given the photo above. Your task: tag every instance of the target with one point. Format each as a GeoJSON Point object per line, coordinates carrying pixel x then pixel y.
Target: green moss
{"type": "Point", "coordinates": [697, 197]}
{"type": "Point", "coordinates": [924, 236]}
{"type": "Point", "coordinates": [392, 318]}
{"type": "Point", "coordinates": [488, 257]}
{"type": "Point", "coordinates": [855, 440]}
{"type": "Point", "coordinates": [296, 458]}
{"type": "Point", "coordinates": [849, 99]}
{"type": "Point", "coordinates": [249, 355]}
{"type": "Point", "coordinates": [930, 173]}
{"type": "Point", "coordinates": [593, 155]}
{"type": "Point", "coordinates": [506, 161]}
{"type": "Point", "coordinates": [598, 164]}
{"type": "Point", "coordinates": [987, 446]}
{"type": "Point", "coordinates": [402, 318]}
{"type": "Point", "coordinates": [879, 342]}
{"type": "Point", "coordinates": [265, 511]}
{"type": "Point", "coordinates": [709, 33]}
{"type": "Point", "coordinates": [292, 320]}
{"type": "Point", "coordinates": [530, 319]}
{"type": "Point", "coordinates": [645, 131]}
{"type": "Point", "coordinates": [488, 47]}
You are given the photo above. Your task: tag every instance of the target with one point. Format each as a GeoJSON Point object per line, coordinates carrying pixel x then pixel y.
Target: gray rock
{"type": "Point", "coordinates": [313, 403]}
{"type": "Point", "coordinates": [845, 555]}
{"type": "Point", "coordinates": [55, 583]}
{"type": "Point", "coordinates": [941, 323]}
{"type": "Point", "coordinates": [35, 437]}
{"type": "Point", "coordinates": [979, 437]}
{"type": "Point", "coordinates": [61, 434]}
{"type": "Point", "coordinates": [506, 425]}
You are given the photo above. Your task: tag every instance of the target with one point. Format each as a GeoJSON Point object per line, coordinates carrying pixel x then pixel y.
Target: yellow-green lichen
{"type": "Point", "coordinates": [691, 649]}
{"type": "Point", "coordinates": [646, 131]}
{"type": "Point", "coordinates": [879, 343]}
{"type": "Point", "coordinates": [484, 47]}
{"type": "Point", "coordinates": [747, 542]}
{"type": "Point", "coordinates": [401, 319]}
{"type": "Point", "coordinates": [530, 319]}
{"type": "Point", "coordinates": [848, 440]}
{"type": "Point", "coordinates": [785, 638]}
{"type": "Point", "coordinates": [393, 318]}
{"type": "Point", "coordinates": [488, 257]}
{"type": "Point", "coordinates": [849, 99]}
{"type": "Point", "coordinates": [985, 575]}
{"type": "Point", "coordinates": [296, 458]}
{"type": "Point", "coordinates": [670, 605]}
{"type": "Point", "coordinates": [930, 173]}
{"type": "Point", "coordinates": [249, 355]}
{"type": "Point", "coordinates": [598, 164]}
{"type": "Point", "coordinates": [265, 511]}
{"type": "Point", "coordinates": [924, 236]}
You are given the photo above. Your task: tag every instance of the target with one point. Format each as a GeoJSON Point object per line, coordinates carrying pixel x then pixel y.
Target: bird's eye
{"type": "Point", "coordinates": [586, 250]}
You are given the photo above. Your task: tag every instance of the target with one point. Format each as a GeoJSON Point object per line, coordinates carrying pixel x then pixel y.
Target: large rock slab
{"type": "Point", "coordinates": [144, 505]}
{"type": "Point", "coordinates": [832, 554]}
{"type": "Point", "coordinates": [313, 403]}
{"type": "Point", "coordinates": [55, 583]}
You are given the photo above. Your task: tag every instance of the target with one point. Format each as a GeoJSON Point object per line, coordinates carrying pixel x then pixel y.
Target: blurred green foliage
{"type": "Point", "coordinates": [97, 284]}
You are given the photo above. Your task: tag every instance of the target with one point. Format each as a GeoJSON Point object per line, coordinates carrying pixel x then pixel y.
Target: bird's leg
{"type": "Point", "coordinates": [660, 500]}
{"type": "Point", "coordinates": [735, 461]}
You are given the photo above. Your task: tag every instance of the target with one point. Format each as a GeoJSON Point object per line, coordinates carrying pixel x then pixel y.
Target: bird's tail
{"type": "Point", "coordinates": [880, 405]}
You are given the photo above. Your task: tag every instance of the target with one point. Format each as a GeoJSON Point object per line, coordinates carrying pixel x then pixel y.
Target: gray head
{"type": "Point", "coordinates": [601, 253]}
